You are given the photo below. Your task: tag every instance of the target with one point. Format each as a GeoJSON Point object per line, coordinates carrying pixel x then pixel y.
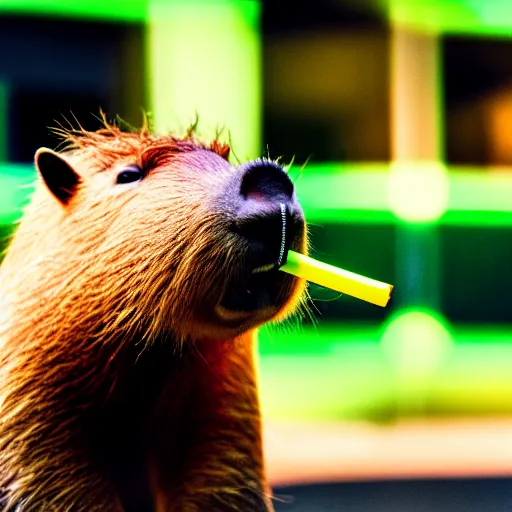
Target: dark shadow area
{"type": "Point", "coordinates": [54, 69]}
{"type": "Point", "coordinates": [325, 81]}
{"type": "Point", "coordinates": [475, 274]}
{"type": "Point", "coordinates": [458, 495]}
{"type": "Point", "coordinates": [477, 99]}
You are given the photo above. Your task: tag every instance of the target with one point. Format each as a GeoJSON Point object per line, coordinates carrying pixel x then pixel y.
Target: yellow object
{"type": "Point", "coordinates": [337, 279]}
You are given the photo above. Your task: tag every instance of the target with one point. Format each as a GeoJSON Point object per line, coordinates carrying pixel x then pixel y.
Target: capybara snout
{"type": "Point", "coordinates": [268, 221]}
{"type": "Point", "coordinates": [251, 219]}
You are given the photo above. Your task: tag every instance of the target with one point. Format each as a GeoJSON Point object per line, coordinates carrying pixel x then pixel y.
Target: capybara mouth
{"type": "Point", "coordinates": [258, 291]}
{"type": "Point", "coordinates": [259, 284]}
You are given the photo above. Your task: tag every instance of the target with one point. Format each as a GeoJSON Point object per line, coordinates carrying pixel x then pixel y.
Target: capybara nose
{"type": "Point", "coordinates": [268, 214]}
{"type": "Point", "coordinates": [265, 181]}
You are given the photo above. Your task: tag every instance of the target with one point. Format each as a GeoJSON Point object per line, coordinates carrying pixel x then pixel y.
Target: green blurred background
{"type": "Point", "coordinates": [402, 111]}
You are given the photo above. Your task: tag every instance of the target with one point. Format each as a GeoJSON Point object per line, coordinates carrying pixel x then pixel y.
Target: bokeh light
{"type": "Point", "coordinates": [418, 192]}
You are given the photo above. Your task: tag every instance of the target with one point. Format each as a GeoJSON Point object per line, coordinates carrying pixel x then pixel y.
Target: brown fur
{"type": "Point", "coordinates": [115, 385]}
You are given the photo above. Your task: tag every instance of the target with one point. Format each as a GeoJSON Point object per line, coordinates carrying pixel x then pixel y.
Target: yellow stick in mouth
{"type": "Point", "coordinates": [337, 279]}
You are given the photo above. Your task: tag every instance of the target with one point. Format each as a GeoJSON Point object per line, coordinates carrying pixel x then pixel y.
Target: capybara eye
{"type": "Point", "coordinates": [130, 174]}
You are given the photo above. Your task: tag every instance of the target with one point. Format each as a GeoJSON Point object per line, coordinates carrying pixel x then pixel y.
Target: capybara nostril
{"type": "Point", "coordinates": [265, 189]}
{"type": "Point", "coordinates": [265, 180]}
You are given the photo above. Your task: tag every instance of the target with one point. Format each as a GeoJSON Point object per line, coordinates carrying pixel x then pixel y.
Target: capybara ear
{"type": "Point", "coordinates": [60, 178]}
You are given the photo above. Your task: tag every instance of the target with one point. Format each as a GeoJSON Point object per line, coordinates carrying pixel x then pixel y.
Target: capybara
{"type": "Point", "coordinates": [131, 292]}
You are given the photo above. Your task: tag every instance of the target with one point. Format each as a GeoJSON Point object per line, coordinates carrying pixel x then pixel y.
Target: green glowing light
{"type": "Point", "coordinates": [418, 192]}
{"type": "Point", "coordinates": [325, 374]}
{"type": "Point", "coordinates": [437, 16]}
{"type": "Point", "coordinates": [343, 371]}
{"type": "Point", "coordinates": [126, 10]}
{"type": "Point", "coordinates": [471, 218]}
{"type": "Point", "coordinates": [15, 186]}
{"type": "Point", "coordinates": [204, 58]}
{"type": "Point", "coordinates": [480, 189]}
{"type": "Point", "coordinates": [370, 193]}
{"type": "Point", "coordinates": [342, 186]}
{"type": "Point", "coordinates": [4, 105]}
{"type": "Point", "coordinates": [416, 341]}
{"type": "Point", "coordinates": [452, 16]}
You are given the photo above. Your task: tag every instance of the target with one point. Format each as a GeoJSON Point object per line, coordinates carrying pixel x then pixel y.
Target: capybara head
{"type": "Point", "coordinates": [160, 233]}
